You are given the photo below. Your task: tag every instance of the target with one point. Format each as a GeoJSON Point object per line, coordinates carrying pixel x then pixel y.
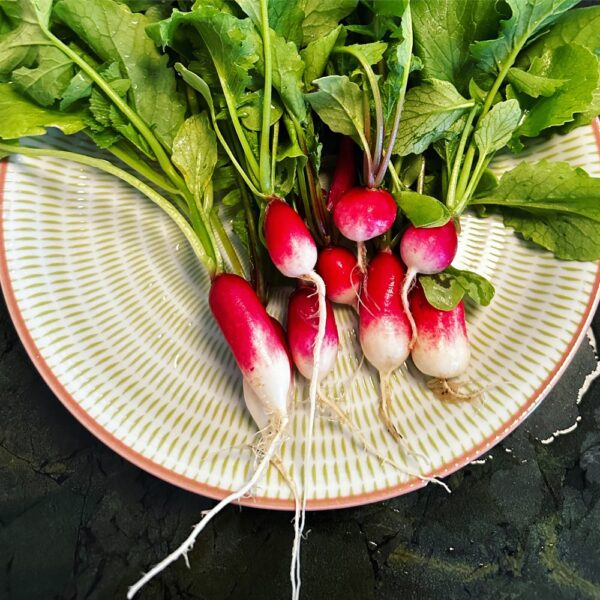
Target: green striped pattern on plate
{"type": "Point", "coordinates": [117, 307]}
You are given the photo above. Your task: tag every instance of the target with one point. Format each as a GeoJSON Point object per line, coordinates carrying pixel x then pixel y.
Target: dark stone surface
{"type": "Point", "coordinates": [77, 521]}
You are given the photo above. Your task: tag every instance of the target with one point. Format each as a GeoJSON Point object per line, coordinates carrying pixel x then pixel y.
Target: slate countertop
{"type": "Point", "coordinates": [77, 521]}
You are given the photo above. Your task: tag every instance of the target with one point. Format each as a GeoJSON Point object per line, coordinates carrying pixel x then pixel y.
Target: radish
{"type": "Point", "coordinates": [294, 252]}
{"type": "Point", "coordinates": [384, 327]}
{"type": "Point", "coordinates": [441, 348]}
{"type": "Point", "coordinates": [339, 269]}
{"type": "Point", "coordinates": [289, 242]}
{"type": "Point", "coordinates": [344, 175]}
{"type": "Point", "coordinates": [363, 213]}
{"type": "Point", "coordinates": [302, 327]}
{"type": "Point", "coordinates": [263, 360]}
{"type": "Point", "coordinates": [427, 251]}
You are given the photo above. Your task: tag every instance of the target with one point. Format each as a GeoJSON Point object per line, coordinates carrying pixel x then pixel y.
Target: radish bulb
{"type": "Point", "coordinates": [294, 252]}
{"type": "Point", "coordinates": [425, 250]}
{"type": "Point", "coordinates": [384, 327]}
{"type": "Point", "coordinates": [441, 348]}
{"type": "Point", "coordinates": [339, 269]}
{"type": "Point", "coordinates": [363, 214]}
{"type": "Point", "coordinates": [302, 328]}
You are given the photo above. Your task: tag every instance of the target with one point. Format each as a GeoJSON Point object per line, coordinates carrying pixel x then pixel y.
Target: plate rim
{"type": "Point", "coordinates": [263, 502]}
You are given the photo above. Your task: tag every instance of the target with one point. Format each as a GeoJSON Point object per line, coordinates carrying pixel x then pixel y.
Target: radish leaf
{"type": "Point", "coordinates": [495, 129]}
{"type": "Point", "coordinates": [20, 117]}
{"type": "Point", "coordinates": [322, 16]}
{"type": "Point", "coordinates": [533, 85]}
{"type": "Point", "coordinates": [430, 109]}
{"type": "Point", "coordinates": [316, 54]}
{"type": "Point", "coordinates": [421, 210]}
{"type": "Point", "coordinates": [48, 80]}
{"type": "Point", "coordinates": [114, 33]}
{"type": "Point", "coordinates": [446, 289]}
{"type": "Point", "coordinates": [528, 18]}
{"type": "Point", "coordinates": [575, 65]}
{"type": "Point", "coordinates": [195, 153]}
{"type": "Point", "coordinates": [444, 31]}
{"type": "Point", "coordinates": [287, 70]}
{"type": "Point", "coordinates": [553, 205]}
{"type": "Point", "coordinates": [21, 44]}
{"type": "Point", "coordinates": [338, 102]}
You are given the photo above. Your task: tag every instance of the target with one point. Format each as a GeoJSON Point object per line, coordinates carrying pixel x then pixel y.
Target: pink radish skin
{"type": "Point", "coordinates": [429, 250]}
{"type": "Point", "coordinates": [283, 339]}
{"type": "Point", "coordinates": [384, 327]}
{"type": "Point", "coordinates": [254, 341]}
{"type": "Point", "coordinates": [441, 349]}
{"type": "Point", "coordinates": [302, 326]}
{"type": "Point", "coordinates": [344, 175]}
{"type": "Point", "coordinates": [289, 242]}
{"type": "Point", "coordinates": [425, 250]}
{"type": "Point", "coordinates": [362, 213]}
{"type": "Point", "coordinates": [339, 269]}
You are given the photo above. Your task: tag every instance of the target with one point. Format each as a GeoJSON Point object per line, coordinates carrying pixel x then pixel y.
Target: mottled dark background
{"type": "Point", "coordinates": [77, 521]}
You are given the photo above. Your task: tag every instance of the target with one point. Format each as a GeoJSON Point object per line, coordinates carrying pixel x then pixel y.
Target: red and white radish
{"type": "Point", "coordinates": [441, 348]}
{"type": "Point", "coordinates": [385, 332]}
{"type": "Point", "coordinates": [265, 366]}
{"type": "Point", "coordinates": [339, 269]}
{"type": "Point", "coordinates": [289, 242]}
{"type": "Point", "coordinates": [302, 328]}
{"type": "Point", "coordinates": [294, 252]}
{"type": "Point", "coordinates": [425, 250]}
{"type": "Point", "coordinates": [363, 213]}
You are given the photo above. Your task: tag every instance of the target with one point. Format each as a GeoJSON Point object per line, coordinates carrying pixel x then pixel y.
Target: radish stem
{"type": "Point", "coordinates": [451, 195]}
{"type": "Point", "coordinates": [379, 124]}
{"type": "Point", "coordinates": [400, 104]}
{"type": "Point", "coordinates": [265, 165]}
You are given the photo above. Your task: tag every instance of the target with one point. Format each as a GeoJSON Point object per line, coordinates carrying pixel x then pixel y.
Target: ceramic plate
{"type": "Point", "coordinates": [112, 307]}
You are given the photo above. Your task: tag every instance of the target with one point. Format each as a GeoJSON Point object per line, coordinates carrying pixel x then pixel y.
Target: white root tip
{"type": "Point", "coordinates": [408, 283]}
{"type": "Point", "coordinates": [384, 407]}
{"type": "Point", "coordinates": [186, 546]}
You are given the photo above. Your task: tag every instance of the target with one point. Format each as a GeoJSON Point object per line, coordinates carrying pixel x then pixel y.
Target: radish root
{"type": "Point", "coordinates": [187, 545]}
{"type": "Point", "coordinates": [344, 419]}
{"type": "Point", "coordinates": [384, 407]}
{"type": "Point", "coordinates": [313, 391]}
{"type": "Point", "coordinates": [361, 251]}
{"type": "Point", "coordinates": [444, 390]}
{"type": "Point", "coordinates": [409, 280]}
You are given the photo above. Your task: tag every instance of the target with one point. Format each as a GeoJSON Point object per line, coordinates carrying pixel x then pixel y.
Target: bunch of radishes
{"type": "Point", "coordinates": [377, 286]}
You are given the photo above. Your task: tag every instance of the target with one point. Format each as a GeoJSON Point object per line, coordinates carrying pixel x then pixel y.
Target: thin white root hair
{"type": "Point", "coordinates": [188, 544]}
{"type": "Point", "coordinates": [347, 382]}
{"type": "Point", "coordinates": [313, 390]}
{"type": "Point", "coordinates": [444, 390]}
{"type": "Point", "coordinates": [384, 407]}
{"type": "Point", "coordinates": [384, 415]}
{"type": "Point", "coordinates": [278, 464]}
{"type": "Point", "coordinates": [409, 280]}
{"type": "Point", "coordinates": [344, 419]}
